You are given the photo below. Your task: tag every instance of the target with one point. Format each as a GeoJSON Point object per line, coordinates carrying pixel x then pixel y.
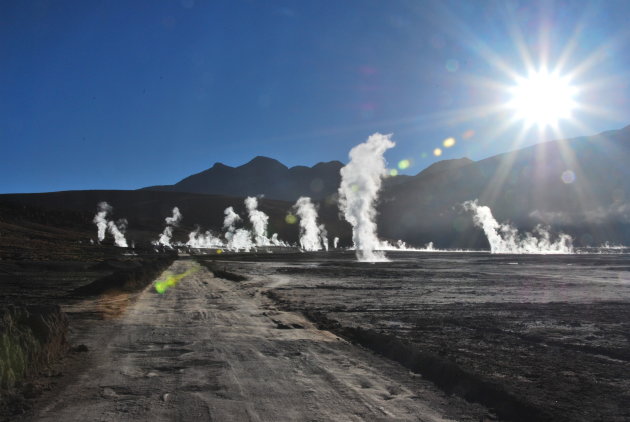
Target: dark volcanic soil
{"type": "Point", "coordinates": [531, 337]}
{"type": "Point", "coordinates": [524, 337]}
{"type": "Point", "coordinates": [214, 349]}
{"type": "Point", "coordinates": [53, 280]}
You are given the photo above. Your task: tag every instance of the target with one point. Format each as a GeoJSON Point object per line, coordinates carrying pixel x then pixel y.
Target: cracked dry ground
{"type": "Point", "coordinates": [208, 350]}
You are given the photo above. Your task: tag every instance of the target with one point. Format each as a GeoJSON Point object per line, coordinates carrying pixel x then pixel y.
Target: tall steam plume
{"type": "Point", "coordinates": [237, 239]}
{"type": "Point", "coordinates": [100, 219]}
{"type": "Point", "coordinates": [323, 235]}
{"type": "Point", "coordinates": [259, 221]}
{"type": "Point", "coordinates": [309, 230]}
{"type": "Point", "coordinates": [361, 181]}
{"type": "Point", "coordinates": [173, 221]}
{"type": "Point", "coordinates": [117, 229]}
{"type": "Point", "coordinates": [504, 238]}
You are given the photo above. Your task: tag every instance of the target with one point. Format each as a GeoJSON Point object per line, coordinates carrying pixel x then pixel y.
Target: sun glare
{"type": "Point", "coordinates": [543, 99]}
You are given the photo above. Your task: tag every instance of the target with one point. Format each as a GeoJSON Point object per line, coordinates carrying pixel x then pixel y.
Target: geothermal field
{"type": "Point", "coordinates": [322, 211]}
{"type": "Point", "coordinates": [239, 324]}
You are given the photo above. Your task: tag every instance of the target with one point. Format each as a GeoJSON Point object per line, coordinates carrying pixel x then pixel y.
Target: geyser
{"type": "Point", "coordinates": [100, 219]}
{"type": "Point", "coordinates": [259, 221]}
{"type": "Point", "coordinates": [361, 181]}
{"type": "Point", "coordinates": [505, 238]}
{"type": "Point", "coordinates": [323, 235]}
{"type": "Point", "coordinates": [173, 221]}
{"type": "Point", "coordinates": [206, 240]}
{"type": "Point", "coordinates": [309, 230]}
{"type": "Point", "coordinates": [237, 239]}
{"type": "Point", "coordinates": [117, 229]}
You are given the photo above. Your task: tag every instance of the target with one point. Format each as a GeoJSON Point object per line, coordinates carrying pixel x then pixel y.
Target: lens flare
{"type": "Point", "coordinates": [448, 142]}
{"type": "Point", "coordinates": [568, 177]}
{"type": "Point", "coordinates": [468, 134]}
{"type": "Point", "coordinates": [452, 65]}
{"type": "Point", "coordinates": [171, 281]}
{"type": "Point", "coordinates": [437, 152]}
{"type": "Point", "coordinates": [404, 164]}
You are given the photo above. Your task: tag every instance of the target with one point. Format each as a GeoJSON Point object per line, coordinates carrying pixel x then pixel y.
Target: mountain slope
{"type": "Point", "coordinates": [146, 210]}
{"type": "Point", "coordinates": [263, 176]}
{"type": "Point", "coordinates": [581, 186]}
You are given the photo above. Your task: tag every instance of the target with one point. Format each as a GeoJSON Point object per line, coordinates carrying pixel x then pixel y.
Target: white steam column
{"type": "Point", "coordinates": [309, 230]}
{"type": "Point", "coordinates": [173, 221]}
{"type": "Point", "coordinates": [103, 225]}
{"type": "Point", "coordinates": [259, 221]}
{"type": "Point", "coordinates": [100, 219]}
{"type": "Point", "coordinates": [505, 238]}
{"type": "Point", "coordinates": [361, 181]}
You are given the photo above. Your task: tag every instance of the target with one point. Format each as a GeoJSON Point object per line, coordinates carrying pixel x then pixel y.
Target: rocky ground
{"type": "Point", "coordinates": [318, 336]}
{"type": "Point", "coordinates": [531, 337]}
{"type": "Point", "coordinates": [209, 348]}
{"type": "Point", "coordinates": [48, 266]}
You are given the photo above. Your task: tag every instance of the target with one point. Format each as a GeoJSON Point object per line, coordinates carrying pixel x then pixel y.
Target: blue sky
{"type": "Point", "coordinates": [120, 95]}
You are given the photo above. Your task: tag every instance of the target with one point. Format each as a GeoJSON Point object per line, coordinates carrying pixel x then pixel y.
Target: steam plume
{"type": "Point", "coordinates": [309, 231]}
{"type": "Point", "coordinates": [360, 183]}
{"type": "Point", "coordinates": [165, 237]}
{"type": "Point", "coordinates": [196, 239]}
{"type": "Point", "coordinates": [277, 242]}
{"type": "Point", "coordinates": [335, 242]}
{"type": "Point", "coordinates": [259, 221]}
{"type": "Point", "coordinates": [237, 239]}
{"type": "Point", "coordinates": [100, 219]}
{"type": "Point", "coordinates": [323, 235]}
{"type": "Point", "coordinates": [175, 218]}
{"type": "Point", "coordinates": [230, 219]}
{"type": "Point", "coordinates": [173, 221]}
{"type": "Point", "coordinates": [241, 239]}
{"type": "Point", "coordinates": [117, 230]}
{"type": "Point", "coordinates": [504, 238]}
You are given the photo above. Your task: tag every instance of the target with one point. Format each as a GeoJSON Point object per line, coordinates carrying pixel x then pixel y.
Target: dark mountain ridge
{"type": "Point", "coordinates": [262, 176]}
{"type": "Point", "coordinates": [580, 186]}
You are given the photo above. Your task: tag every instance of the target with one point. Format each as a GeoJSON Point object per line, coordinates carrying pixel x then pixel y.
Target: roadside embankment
{"type": "Point", "coordinates": [131, 276]}
{"type": "Point", "coordinates": [31, 338]}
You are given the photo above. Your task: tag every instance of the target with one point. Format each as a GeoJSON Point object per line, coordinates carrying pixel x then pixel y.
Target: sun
{"type": "Point", "coordinates": [543, 99]}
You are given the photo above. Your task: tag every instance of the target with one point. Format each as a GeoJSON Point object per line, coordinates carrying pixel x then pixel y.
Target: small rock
{"type": "Point", "coordinates": [53, 374]}
{"type": "Point", "coordinates": [108, 393]}
{"type": "Point", "coordinates": [81, 348]}
{"type": "Point", "coordinates": [31, 391]}
{"type": "Point", "coordinates": [167, 397]}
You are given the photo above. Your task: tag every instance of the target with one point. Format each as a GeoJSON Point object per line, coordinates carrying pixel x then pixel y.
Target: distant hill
{"type": "Point", "coordinates": [269, 178]}
{"type": "Point", "coordinates": [262, 176]}
{"type": "Point", "coordinates": [580, 186]}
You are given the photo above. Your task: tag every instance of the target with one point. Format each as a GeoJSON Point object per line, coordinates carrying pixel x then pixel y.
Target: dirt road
{"type": "Point", "coordinates": [207, 349]}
